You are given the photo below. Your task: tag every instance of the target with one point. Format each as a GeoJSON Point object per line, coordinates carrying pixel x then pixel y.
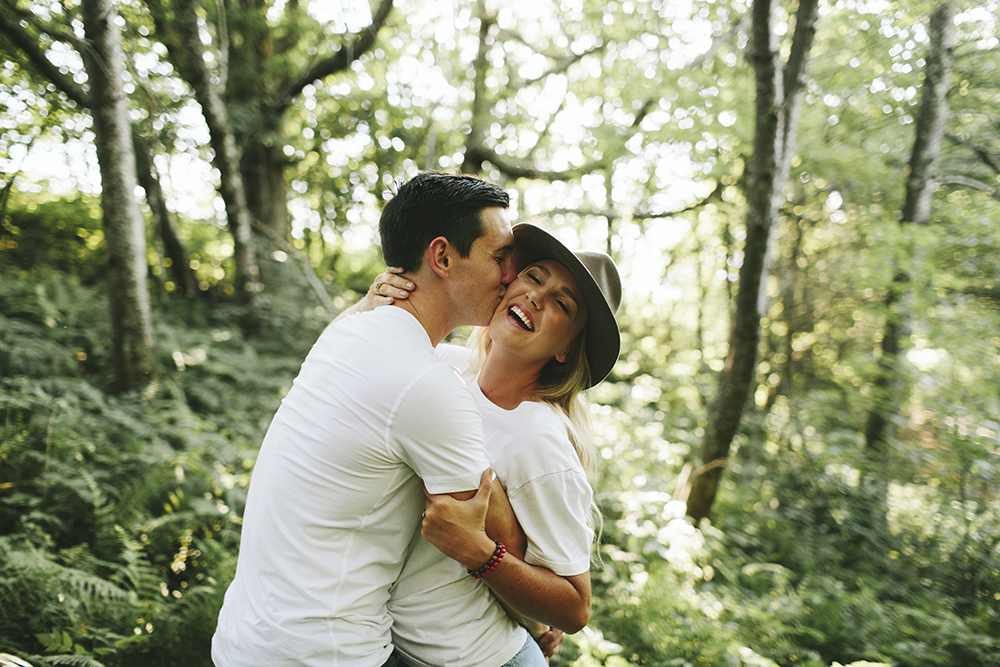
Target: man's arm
{"type": "Point", "coordinates": [458, 530]}
{"type": "Point", "coordinates": [502, 525]}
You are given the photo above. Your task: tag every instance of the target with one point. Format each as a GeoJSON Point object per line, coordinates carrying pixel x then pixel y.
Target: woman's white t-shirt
{"type": "Point", "coordinates": [442, 617]}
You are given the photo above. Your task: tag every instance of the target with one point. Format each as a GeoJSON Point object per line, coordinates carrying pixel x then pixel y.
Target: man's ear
{"type": "Point", "coordinates": [439, 256]}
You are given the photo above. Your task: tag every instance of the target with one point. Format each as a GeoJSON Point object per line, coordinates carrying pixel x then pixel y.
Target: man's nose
{"type": "Point", "coordinates": [508, 271]}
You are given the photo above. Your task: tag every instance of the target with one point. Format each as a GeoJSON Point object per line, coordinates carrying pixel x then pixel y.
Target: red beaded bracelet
{"type": "Point", "coordinates": [492, 563]}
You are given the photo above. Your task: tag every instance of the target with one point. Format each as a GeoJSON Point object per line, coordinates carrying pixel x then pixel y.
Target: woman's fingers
{"type": "Point", "coordinates": [391, 285]}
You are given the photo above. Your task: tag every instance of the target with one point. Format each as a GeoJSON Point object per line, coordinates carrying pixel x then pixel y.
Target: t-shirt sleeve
{"type": "Point", "coordinates": [551, 499]}
{"type": "Point", "coordinates": [437, 431]}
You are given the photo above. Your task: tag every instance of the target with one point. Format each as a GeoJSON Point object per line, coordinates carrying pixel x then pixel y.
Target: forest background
{"type": "Point", "coordinates": [799, 446]}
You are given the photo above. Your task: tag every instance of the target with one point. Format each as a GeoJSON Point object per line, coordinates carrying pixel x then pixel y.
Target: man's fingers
{"type": "Point", "coordinates": [485, 485]}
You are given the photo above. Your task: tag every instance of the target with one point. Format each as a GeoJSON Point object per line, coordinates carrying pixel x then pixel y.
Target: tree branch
{"type": "Point", "coordinates": [979, 151]}
{"type": "Point", "coordinates": [303, 259]}
{"type": "Point", "coordinates": [643, 215]}
{"type": "Point", "coordinates": [513, 168]}
{"type": "Point", "coordinates": [972, 183]}
{"type": "Point", "coordinates": [57, 34]}
{"type": "Point", "coordinates": [562, 61]}
{"type": "Point", "coordinates": [337, 62]}
{"type": "Point", "coordinates": [976, 52]}
{"type": "Point", "coordinates": [472, 162]}
{"type": "Point", "coordinates": [990, 116]}
{"type": "Point", "coordinates": [719, 41]}
{"type": "Point", "coordinates": [793, 77]}
{"type": "Point", "coordinates": [10, 26]}
{"type": "Point", "coordinates": [222, 53]}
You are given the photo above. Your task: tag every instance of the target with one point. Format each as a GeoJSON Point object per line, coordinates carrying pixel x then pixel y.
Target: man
{"type": "Point", "coordinates": [372, 418]}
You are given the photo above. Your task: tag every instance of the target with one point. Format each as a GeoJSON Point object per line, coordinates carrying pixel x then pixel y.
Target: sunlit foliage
{"type": "Point", "coordinates": [119, 516]}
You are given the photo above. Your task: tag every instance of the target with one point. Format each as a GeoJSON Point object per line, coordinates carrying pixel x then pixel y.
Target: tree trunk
{"type": "Point", "coordinates": [264, 97]}
{"type": "Point", "coordinates": [474, 157]}
{"type": "Point", "coordinates": [789, 288]}
{"type": "Point", "coordinates": [250, 85]}
{"type": "Point", "coordinates": [226, 160]}
{"type": "Point", "coordinates": [776, 112]}
{"type": "Point", "coordinates": [164, 220]}
{"type": "Point", "coordinates": [124, 229]}
{"type": "Point", "coordinates": [889, 389]}
{"type": "Point", "coordinates": [263, 168]}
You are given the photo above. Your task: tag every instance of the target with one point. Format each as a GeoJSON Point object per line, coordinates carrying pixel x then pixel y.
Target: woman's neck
{"type": "Point", "coordinates": [507, 381]}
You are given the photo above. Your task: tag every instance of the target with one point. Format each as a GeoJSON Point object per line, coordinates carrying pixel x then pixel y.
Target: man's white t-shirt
{"type": "Point", "coordinates": [336, 494]}
{"type": "Point", "coordinates": [442, 617]}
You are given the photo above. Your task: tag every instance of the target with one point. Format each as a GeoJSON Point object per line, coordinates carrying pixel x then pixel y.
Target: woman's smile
{"type": "Point", "coordinates": [520, 317]}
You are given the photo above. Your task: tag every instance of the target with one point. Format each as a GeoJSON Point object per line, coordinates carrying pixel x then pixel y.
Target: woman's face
{"type": "Point", "coordinates": [541, 314]}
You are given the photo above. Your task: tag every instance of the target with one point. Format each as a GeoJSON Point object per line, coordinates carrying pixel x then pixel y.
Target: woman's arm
{"type": "Point", "coordinates": [387, 288]}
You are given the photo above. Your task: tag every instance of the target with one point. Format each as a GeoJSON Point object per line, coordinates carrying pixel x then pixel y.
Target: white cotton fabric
{"type": "Point", "coordinates": [442, 617]}
{"type": "Point", "coordinates": [336, 495]}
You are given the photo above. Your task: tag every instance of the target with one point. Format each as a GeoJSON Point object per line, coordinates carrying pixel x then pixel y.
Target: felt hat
{"type": "Point", "coordinates": [597, 276]}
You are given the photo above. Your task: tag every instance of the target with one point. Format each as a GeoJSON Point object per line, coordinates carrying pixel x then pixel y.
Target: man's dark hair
{"type": "Point", "coordinates": [433, 204]}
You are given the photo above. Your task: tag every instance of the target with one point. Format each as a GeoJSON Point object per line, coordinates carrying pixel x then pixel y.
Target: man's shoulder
{"type": "Point", "coordinates": [378, 332]}
{"type": "Point", "coordinates": [441, 382]}
{"type": "Point", "coordinates": [388, 319]}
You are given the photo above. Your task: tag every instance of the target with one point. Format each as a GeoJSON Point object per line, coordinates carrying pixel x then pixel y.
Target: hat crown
{"type": "Point", "coordinates": [604, 272]}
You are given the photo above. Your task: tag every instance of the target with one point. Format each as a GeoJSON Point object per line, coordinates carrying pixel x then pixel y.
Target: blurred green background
{"type": "Point", "coordinates": [627, 126]}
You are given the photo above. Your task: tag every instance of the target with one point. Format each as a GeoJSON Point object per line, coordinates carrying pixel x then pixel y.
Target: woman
{"type": "Point", "coordinates": [553, 335]}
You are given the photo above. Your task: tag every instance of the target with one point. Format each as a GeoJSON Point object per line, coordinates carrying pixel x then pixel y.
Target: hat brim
{"type": "Point", "coordinates": [603, 341]}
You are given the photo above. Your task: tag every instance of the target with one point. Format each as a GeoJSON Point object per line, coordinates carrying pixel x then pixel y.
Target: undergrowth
{"type": "Point", "coordinates": [120, 514]}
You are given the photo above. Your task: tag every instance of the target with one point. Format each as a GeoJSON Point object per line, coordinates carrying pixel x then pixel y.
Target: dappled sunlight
{"type": "Point", "coordinates": [856, 509]}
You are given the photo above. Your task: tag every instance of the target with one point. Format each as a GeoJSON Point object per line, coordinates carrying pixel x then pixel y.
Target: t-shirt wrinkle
{"type": "Point", "coordinates": [539, 479]}
{"type": "Point", "coordinates": [389, 422]}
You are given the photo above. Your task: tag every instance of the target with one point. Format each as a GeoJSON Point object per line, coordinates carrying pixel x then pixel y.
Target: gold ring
{"type": "Point", "coordinates": [377, 285]}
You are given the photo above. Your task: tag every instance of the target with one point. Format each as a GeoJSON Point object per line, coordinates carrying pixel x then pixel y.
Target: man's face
{"type": "Point", "coordinates": [481, 278]}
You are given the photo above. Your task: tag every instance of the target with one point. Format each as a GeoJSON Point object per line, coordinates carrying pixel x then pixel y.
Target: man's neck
{"type": "Point", "coordinates": [431, 311]}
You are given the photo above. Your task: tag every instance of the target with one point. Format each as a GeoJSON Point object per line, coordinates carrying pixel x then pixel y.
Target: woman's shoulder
{"type": "Point", "coordinates": [544, 417]}
{"type": "Point", "coordinates": [539, 435]}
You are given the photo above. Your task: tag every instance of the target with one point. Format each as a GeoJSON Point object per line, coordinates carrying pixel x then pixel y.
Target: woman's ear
{"type": "Point", "coordinates": [439, 256]}
{"type": "Point", "coordinates": [562, 356]}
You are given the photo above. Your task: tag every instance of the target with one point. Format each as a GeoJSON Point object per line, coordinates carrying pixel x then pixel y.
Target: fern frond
{"type": "Point", "coordinates": [73, 659]}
